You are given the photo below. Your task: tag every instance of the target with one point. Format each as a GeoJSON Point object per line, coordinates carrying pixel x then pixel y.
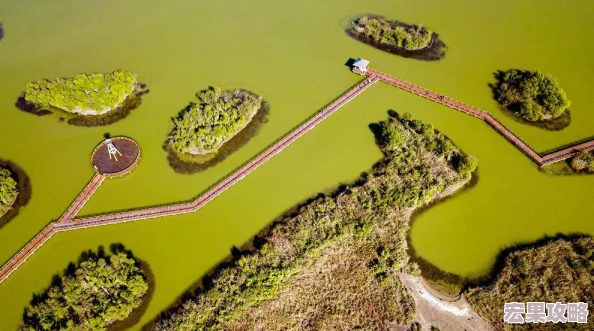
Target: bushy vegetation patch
{"type": "Point", "coordinates": [94, 94]}
{"type": "Point", "coordinates": [92, 296]}
{"type": "Point", "coordinates": [393, 33]}
{"type": "Point", "coordinates": [8, 190]}
{"type": "Point", "coordinates": [336, 252]}
{"type": "Point", "coordinates": [583, 162]}
{"type": "Point", "coordinates": [203, 127]}
{"type": "Point", "coordinates": [558, 271]}
{"type": "Point", "coordinates": [531, 95]}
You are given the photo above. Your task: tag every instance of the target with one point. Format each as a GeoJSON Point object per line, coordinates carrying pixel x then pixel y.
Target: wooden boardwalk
{"type": "Point", "coordinates": [68, 222]}
{"type": "Point", "coordinates": [82, 198]}
{"type": "Point", "coordinates": [540, 160]}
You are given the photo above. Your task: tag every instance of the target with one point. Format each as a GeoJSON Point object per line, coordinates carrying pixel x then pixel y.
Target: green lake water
{"type": "Point", "coordinates": [293, 53]}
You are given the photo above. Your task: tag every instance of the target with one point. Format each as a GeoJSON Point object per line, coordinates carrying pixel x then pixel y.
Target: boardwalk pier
{"type": "Point", "coordinates": [68, 222]}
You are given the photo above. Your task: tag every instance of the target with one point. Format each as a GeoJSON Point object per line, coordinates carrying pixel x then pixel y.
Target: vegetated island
{"type": "Point", "coordinates": [411, 41]}
{"type": "Point", "coordinates": [8, 190]}
{"type": "Point", "coordinates": [205, 132]}
{"type": "Point", "coordinates": [534, 97]}
{"type": "Point", "coordinates": [556, 270]}
{"type": "Point", "coordinates": [356, 238]}
{"type": "Point", "coordinates": [15, 190]}
{"type": "Point", "coordinates": [97, 293]}
{"type": "Point", "coordinates": [85, 100]}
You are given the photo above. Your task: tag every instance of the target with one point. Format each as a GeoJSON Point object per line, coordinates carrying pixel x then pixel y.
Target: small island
{"type": "Point", "coordinates": [202, 129]}
{"type": "Point", "coordinates": [398, 34]}
{"type": "Point", "coordinates": [414, 41]}
{"type": "Point", "coordinates": [531, 95]}
{"type": "Point", "coordinates": [85, 99]}
{"type": "Point", "coordinates": [8, 190]}
{"type": "Point", "coordinates": [99, 292]}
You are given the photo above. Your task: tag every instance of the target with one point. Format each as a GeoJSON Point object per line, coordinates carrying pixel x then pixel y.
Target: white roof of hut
{"type": "Point", "coordinates": [361, 64]}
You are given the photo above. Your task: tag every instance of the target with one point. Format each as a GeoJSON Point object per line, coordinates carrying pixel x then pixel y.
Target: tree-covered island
{"type": "Point", "coordinates": [393, 33]}
{"type": "Point", "coordinates": [531, 95]}
{"type": "Point", "coordinates": [8, 190]}
{"type": "Point", "coordinates": [355, 237]}
{"type": "Point", "coordinates": [203, 127]}
{"type": "Point", "coordinates": [94, 94]}
{"type": "Point", "coordinates": [96, 294]}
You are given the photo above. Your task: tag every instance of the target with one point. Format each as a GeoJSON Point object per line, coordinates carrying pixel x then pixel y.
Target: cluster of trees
{"type": "Point", "coordinates": [364, 226]}
{"type": "Point", "coordinates": [558, 271]}
{"type": "Point", "coordinates": [205, 126]}
{"type": "Point", "coordinates": [8, 190]}
{"type": "Point", "coordinates": [583, 161]}
{"type": "Point", "coordinates": [99, 292]}
{"type": "Point", "coordinates": [394, 33]}
{"type": "Point", "coordinates": [531, 94]}
{"type": "Point", "coordinates": [84, 94]}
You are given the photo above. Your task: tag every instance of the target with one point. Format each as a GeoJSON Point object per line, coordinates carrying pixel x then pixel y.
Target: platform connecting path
{"type": "Point", "coordinates": [68, 221]}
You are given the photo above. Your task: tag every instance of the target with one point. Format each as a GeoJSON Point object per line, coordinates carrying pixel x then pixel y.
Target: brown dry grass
{"type": "Point", "coordinates": [559, 271]}
{"type": "Point", "coordinates": [338, 290]}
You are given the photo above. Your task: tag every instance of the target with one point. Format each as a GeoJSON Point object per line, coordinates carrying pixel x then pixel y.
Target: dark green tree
{"type": "Point", "coordinates": [8, 190]}
{"type": "Point", "coordinates": [531, 94]}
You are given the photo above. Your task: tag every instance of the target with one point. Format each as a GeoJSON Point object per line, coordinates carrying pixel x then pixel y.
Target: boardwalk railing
{"type": "Point", "coordinates": [82, 198]}
{"type": "Point", "coordinates": [68, 222]}
{"type": "Point", "coordinates": [536, 157]}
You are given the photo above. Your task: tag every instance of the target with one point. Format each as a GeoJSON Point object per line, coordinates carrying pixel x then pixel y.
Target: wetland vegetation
{"type": "Point", "coordinates": [356, 237]}
{"type": "Point", "coordinates": [220, 122]}
{"type": "Point", "coordinates": [554, 270]}
{"type": "Point", "coordinates": [583, 162]}
{"type": "Point", "coordinates": [203, 127]}
{"type": "Point", "coordinates": [8, 190]}
{"type": "Point", "coordinates": [403, 39]}
{"type": "Point", "coordinates": [532, 95]}
{"type": "Point", "coordinates": [85, 100]}
{"type": "Point", "coordinates": [98, 292]}
{"type": "Point", "coordinates": [13, 178]}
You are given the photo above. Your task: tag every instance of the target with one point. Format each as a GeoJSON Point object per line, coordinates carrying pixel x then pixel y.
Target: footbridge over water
{"type": "Point", "coordinates": [69, 222]}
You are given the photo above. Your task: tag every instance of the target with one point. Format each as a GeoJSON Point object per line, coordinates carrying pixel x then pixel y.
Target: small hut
{"type": "Point", "coordinates": [360, 66]}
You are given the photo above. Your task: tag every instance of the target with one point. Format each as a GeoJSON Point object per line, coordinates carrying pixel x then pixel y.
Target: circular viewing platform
{"type": "Point", "coordinates": [116, 156]}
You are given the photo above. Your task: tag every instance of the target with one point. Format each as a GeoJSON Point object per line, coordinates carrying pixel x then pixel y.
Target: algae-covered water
{"type": "Point", "coordinates": [293, 54]}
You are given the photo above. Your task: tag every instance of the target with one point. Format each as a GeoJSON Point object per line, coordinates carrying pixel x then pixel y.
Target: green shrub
{"type": "Point", "coordinates": [99, 292]}
{"type": "Point", "coordinates": [393, 33]}
{"type": "Point", "coordinates": [8, 190]}
{"type": "Point", "coordinates": [204, 126]}
{"type": "Point", "coordinates": [85, 94]}
{"type": "Point", "coordinates": [532, 95]}
{"type": "Point", "coordinates": [583, 161]}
